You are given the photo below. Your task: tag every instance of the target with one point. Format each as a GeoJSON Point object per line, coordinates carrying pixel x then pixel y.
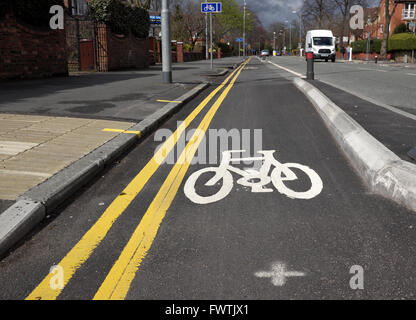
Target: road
{"type": "Point", "coordinates": [140, 232]}
{"type": "Point", "coordinates": [394, 86]}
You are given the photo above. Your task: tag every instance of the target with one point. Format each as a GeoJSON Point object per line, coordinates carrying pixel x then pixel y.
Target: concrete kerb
{"type": "Point", "coordinates": [384, 172]}
{"type": "Point", "coordinates": [33, 206]}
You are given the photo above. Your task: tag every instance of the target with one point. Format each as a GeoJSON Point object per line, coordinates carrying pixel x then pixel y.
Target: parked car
{"type": "Point", "coordinates": [265, 53]}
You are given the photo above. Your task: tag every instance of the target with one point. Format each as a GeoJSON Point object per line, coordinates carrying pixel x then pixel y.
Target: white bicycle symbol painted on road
{"type": "Point", "coordinates": [257, 180]}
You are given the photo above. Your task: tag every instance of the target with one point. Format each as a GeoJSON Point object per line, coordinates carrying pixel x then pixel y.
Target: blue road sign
{"type": "Point", "coordinates": [211, 7]}
{"type": "Point", "coordinates": [239, 39]}
{"type": "Point", "coordinates": [155, 20]}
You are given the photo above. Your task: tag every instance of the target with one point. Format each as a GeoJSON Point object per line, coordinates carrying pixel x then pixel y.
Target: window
{"type": "Point", "coordinates": [409, 11]}
{"type": "Point", "coordinates": [322, 41]}
{"type": "Point", "coordinates": [79, 7]}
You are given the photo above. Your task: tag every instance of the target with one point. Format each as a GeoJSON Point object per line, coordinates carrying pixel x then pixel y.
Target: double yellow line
{"type": "Point", "coordinates": [117, 283]}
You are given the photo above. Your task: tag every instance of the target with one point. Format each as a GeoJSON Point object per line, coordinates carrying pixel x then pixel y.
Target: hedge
{"type": "Point", "coordinates": [140, 22]}
{"type": "Point", "coordinates": [120, 17]}
{"type": "Point", "coordinates": [401, 28]}
{"type": "Point", "coordinates": [35, 13]}
{"type": "Point", "coordinates": [397, 42]}
{"type": "Point", "coordinates": [360, 46]}
{"type": "Point", "coordinates": [402, 42]}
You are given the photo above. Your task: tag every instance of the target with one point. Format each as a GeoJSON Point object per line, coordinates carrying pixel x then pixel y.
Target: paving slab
{"type": "Point", "coordinates": [32, 149]}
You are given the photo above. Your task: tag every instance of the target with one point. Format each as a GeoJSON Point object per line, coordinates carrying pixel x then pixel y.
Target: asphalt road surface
{"type": "Point", "coordinates": [394, 86]}
{"type": "Point", "coordinates": [144, 231]}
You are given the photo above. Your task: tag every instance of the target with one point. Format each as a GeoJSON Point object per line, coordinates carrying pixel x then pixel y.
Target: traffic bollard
{"type": "Point", "coordinates": [310, 74]}
{"type": "Point", "coordinates": [376, 59]}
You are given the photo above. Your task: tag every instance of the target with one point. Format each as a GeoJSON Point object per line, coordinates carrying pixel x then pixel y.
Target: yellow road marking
{"type": "Point", "coordinates": [169, 101]}
{"type": "Point", "coordinates": [118, 281]}
{"type": "Point", "coordinates": [123, 131]}
{"type": "Point", "coordinates": [93, 237]}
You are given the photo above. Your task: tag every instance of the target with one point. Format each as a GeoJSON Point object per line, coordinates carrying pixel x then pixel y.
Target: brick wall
{"type": "Point", "coordinates": [121, 52]}
{"type": "Point", "coordinates": [127, 52]}
{"type": "Point", "coordinates": [28, 53]}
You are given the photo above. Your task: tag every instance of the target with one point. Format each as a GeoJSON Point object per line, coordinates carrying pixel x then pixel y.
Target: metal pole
{"type": "Point", "coordinates": [310, 73]}
{"type": "Point", "coordinates": [290, 41]}
{"type": "Point", "coordinates": [300, 31]}
{"type": "Point", "coordinates": [414, 32]}
{"type": "Point", "coordinates": [244, 31]}
{"type": "Point", "coordinates": [206, 36]}
{"type": "Point", "coordinates": [239, 47]}
{"type": "Point", "coordinates": [212, 52]}
{"type": "Point", "coordinates": [274, 41]}
{"type": "Point", "coordinates": [166, 49]}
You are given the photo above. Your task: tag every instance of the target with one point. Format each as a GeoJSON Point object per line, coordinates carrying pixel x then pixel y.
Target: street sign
{"type": "Point", "coordinates": [239, 40]}
{"type": "Point", "coordinates": [155, 20]}
{"type": "Point", "coordinates": [211, 7]}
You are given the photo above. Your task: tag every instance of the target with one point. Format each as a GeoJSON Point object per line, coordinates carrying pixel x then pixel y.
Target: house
{"type": "Point", "coordinates": [375, 18]}
{"type": "Point", "coordinates": [77, 7]}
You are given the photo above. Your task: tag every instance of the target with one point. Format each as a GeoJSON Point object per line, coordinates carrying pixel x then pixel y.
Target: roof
{"type": "Point", "coordinates": [322, 32]}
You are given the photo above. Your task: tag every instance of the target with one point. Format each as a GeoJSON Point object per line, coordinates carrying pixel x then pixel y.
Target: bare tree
{"type": "Point", "coordinates": [318, 12]}
{"type": "Point", "coordinates": [156, 5]}
{"type": "Point", "coordinates": [344, 7]}
{"type": "Point", "coordinates": [188, 24]}
{"type": "Point", "coordinates": [388, 13]}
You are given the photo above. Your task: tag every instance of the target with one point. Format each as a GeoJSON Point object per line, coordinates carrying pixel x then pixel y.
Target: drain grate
{"type": "Point", "coordinates": [412, 153]}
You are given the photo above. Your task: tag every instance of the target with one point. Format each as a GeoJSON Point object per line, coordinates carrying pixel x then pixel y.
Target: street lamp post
{"type": "Point", "coordinates": [274, 40]}
{"type": "Point", "coordinates": [299, 14]}
{"type": "Point", "coordinates": [244, 30]}
{"type": "Point", "coordinates": [212, 49]}
{"type": "Point", "coordinates": [166, 50]}
{"type": "Point", "coordinates": [290, 35]}
{"type": "Point", "coordinates": [414, 32]}
{"type": "Point", "coordinates": [206, 37]}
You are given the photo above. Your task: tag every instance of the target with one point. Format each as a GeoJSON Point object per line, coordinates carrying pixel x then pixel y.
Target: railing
{"type": "Point", "coordinates": [408, 14]}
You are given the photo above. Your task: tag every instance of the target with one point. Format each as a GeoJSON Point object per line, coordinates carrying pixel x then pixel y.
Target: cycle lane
{"type": "Point", "coordinates": [226, 249]}
{"type": "Point", "coordinates": [265, 245]}
{"type": "Point", "coordinates": [23, 270]}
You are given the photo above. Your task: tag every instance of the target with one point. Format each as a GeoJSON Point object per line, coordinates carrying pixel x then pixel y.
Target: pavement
{"type": "Point", "coordinates": [48, 124]}
{"type": "Point", "coordinates": [138, 231]}
{"type": "Point", "coordinates": [121, 95]}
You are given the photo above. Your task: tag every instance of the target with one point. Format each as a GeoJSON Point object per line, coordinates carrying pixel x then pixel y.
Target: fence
{"type": "Point", "coordinates": [80, 43]}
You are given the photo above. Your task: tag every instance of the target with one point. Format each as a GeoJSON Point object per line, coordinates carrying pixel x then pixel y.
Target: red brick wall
{"type": "Point", "coordinates": [26, 53]}
{"type": "Point", "coordinates": [193, 56]}
{"type": "Point", "coordinates": [363, 56]}
{"type": "Point", "coordinates": [126, 52]}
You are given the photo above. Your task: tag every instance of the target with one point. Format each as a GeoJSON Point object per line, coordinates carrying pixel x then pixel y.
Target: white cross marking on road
{"type": "Point", "coordinates": [279, 274]}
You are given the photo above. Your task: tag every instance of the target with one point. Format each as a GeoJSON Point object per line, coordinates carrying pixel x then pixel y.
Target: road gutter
{"type": "Point", "coordinates": [384, 172]}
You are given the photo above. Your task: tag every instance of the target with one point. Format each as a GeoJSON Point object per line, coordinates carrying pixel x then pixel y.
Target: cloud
{"type": "Point", "coordinates": [270, 11]}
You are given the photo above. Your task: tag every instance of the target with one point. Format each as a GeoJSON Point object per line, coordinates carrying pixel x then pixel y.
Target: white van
{"type": "Point", "coordinates": [321, 43]}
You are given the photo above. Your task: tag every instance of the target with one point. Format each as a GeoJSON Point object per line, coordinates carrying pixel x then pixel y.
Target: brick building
{"type": "Point", "coordinates": [375, 17]}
